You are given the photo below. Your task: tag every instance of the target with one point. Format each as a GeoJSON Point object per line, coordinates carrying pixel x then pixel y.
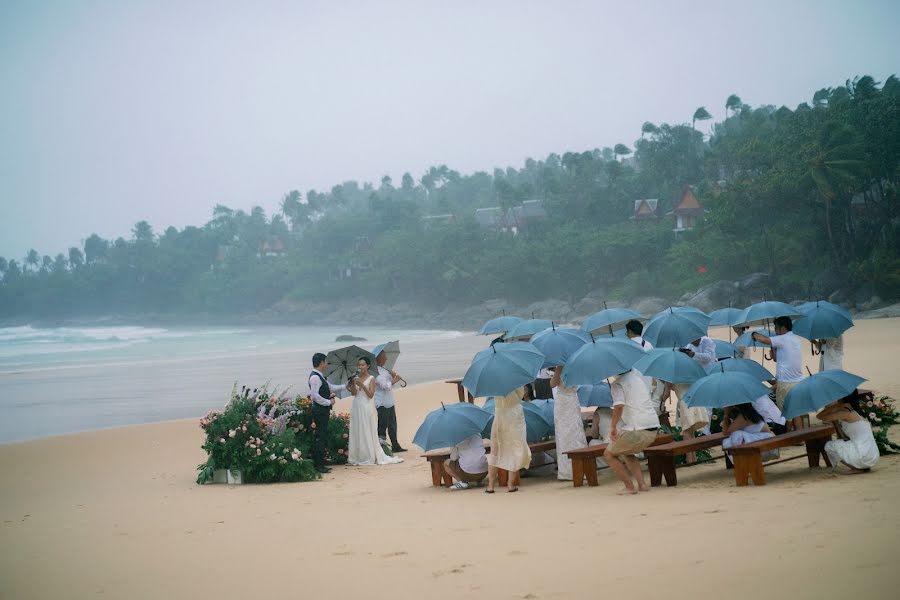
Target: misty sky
{"type": "Point", "coordinates": [116, 111]}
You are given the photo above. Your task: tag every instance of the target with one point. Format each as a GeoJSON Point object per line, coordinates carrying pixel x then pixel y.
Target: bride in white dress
{"type": "Point", "coordinates": [364, 446]}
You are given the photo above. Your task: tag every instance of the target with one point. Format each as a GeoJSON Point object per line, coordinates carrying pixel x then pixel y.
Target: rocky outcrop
{"type": "Point", "coordinates": [880, 313]}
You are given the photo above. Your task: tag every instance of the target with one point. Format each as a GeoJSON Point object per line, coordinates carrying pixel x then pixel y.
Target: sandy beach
{"type": "Point", "coordinates": [116, 514]}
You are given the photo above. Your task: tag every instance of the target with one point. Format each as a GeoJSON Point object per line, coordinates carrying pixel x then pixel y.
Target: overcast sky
{"type": "Point", "coordinates": [116, 111]}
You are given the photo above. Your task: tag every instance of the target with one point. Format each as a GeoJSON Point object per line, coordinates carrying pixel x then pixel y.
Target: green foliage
{"type": "Point", "coordinates": [882, 413]}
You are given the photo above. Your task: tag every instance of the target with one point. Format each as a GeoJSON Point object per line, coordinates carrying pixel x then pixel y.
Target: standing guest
{"type": "Point", "coordinates": [634, 330]}
{"type": "Point", "coordinates": [634, 428]}
{"type": "Point", "coordinates": [509, 445]}
{"type": "Point", "coordinates": [858, 450]}
{"type": "Point", "coordinates": [468, 463]}
{"type": "Point", "coordinates": [384, 403]}
{"type": "Point", "coordinates": [702, 350]}
{"type": "Point", "coordinates": [831, 353]}
{"type": "Point", "coordinates": [741, 350]}
{"type": "Point", "coordinates": [568, 426]}
{"type": "Point", "coordinates": [789, 362]}
{"type": "Point", "coordinates": [323, 397]}
{"type": "Point", "coordinates": [364, 447]}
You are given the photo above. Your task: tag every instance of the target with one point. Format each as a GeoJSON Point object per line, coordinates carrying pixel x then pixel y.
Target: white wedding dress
{"type": "Point", "coordinates": [568, 427]}
{"type": "Point", "coordinates": [364, 446]}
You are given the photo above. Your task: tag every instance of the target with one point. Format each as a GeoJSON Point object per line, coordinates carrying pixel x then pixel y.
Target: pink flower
{"type": "Point", "coordinates": [872, 415]}
{"type": "Point", "coordinates": [870, 403]}
{"type": "Point", "coordinates": [346, 436]}
{"type": "Point", "coordinates": [340, 450]}
{"type": "Point", "coordinates": [244, 428]}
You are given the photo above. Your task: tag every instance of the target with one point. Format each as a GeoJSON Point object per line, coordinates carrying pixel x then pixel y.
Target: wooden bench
{"type": "Point", "coordinates": [461, 391]}
{"type": "Point", "coordinates": [661, 458]}
{"type": "Point", "coordinates": [437, 458]}
{"type": "Point", "coordinates": [584, 460]}
{"type": "Point", "coordinates": [748, 462]}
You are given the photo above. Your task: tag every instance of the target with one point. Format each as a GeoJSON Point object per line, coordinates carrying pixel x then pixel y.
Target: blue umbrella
{"type": "Point", "coordinates": [528, 328]}
{"type": "Point", "coordinates": [724, 316]}
{"type": "Point", "coordinates": [718, 390]}
{"type": "Point", "coordinates": [601, 358]}
{"type": "Point", "coordinates": [537, 427]}
{"type": "Point", "coordinates": [822, 320]}
{"type": "Point", "coordinates": [595, 395]}
{"type": "Point", "coordinates": [746, 339]}
{"type": "Point", "coordinates": [680, 309]}
{"type": "Point", "coordinates": [499, 325]}
{"type": "Point", "coordinates": [670, 365]}
{"type": "Point", "coordinates": [621, 334]}
{"type": "Point", "coordinates": [675, 327]}
{"type": "Point", "coordinates": [609, 319]}
{"type": "Point", "coordinates": [557, 345]}
{"type": "Point", "coordinates": [450, 425]}
{"type": "Point", "coordinates": [546, 408]}
{"type": "Point", "coordinates": [745, 365]}
{"type": "Point", "coordinates": [763, 312]}
{"type": "Point", "coordinates": [819, 390]}
{"type": "Point", "coordinates": [498, 370]}
{"type": "Point", "coordinates": [488, 404]}
{"type": "Point", "coordinates": [724, 349]}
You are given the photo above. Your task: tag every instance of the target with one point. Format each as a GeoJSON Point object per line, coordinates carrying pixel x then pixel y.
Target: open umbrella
{"type": "Point", "coordinates": [822, 320]}
{"type": "Point", "coordinates": [680, 309]}
{"type": "Point", "coordinates": [745, 365]}
{"type": "Point", "coordinates": [499, 325]}
{"type": "Point", "coordinates": [674, 327]}
{"type": "Point", "coordinates": [670, 365]}
{"type": "Point", "coordinates": [528, 328]}
{"type": "Point", "coordinates": [599, 359]}
{"type": "Point", "coordinates": [819, 390]}
{"type": "Point", "coordinates": [343, 363]}
{"type": "Point", "coordinates": [546, 408]}
{"type": "Point", "coordinates": [746, 339]}
{"type": "Point", "coordinates": [724, 349]}
{"type": "Point", "coordinates": [450, 425]}
{"type": "Point", "coordinates": [718, 390]}
{"type": "Point", "coordinates": [537, 427]}
{"type": "Point", "coordinates": [557, 345]}
{"type": "Point", "coordinates": [609, 319]}
{"type": "Point", "coordinates": [498, 370]}
{"type": "Point", "coordinates": [391, 351]}
{"type": "Point", "coordinates": [724, 316]}
{"type": "Point", "coordinates": [595, 395]}
{"type": "Point", "coordinates": [764, 312]}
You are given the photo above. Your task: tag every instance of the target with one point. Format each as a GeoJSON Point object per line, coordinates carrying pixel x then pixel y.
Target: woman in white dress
{"type": "Point", "coordinates": [831, 352]}
{"type": "Point", "coordinates": [364, 446]}
{"type": "Point", "coordinates": [509, 443]}
{"type": "Point", "coordinates": [858, 450]}
{"type": "Point", "coordinates": [568, 426]}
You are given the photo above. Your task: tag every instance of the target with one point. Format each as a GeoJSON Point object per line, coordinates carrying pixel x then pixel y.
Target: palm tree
{"type": "Point", "coordinates": [32, 258]}
{"type": "Point", "coordinates": [648, 128]}
{"type": "Point", "coordinates": [621, 150]}
{"type": "Point", "coordinates": [733, 103]}
{"type": "Point", "coordinates": [701, 114]}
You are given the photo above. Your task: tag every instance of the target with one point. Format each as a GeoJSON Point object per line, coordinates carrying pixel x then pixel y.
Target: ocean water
{"type": "Point", "coordinates": [68, 379]}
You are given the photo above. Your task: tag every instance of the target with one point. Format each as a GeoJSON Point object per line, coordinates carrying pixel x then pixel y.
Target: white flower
{"type": "Point", "coordinates": [231, 433]}
{"type": "Point", "coordinates": [872, 415]}
{"type": "Point", "coordinates": [221, 440]}
{"type": "Point", "coordinates": [271, 457]}
{"type": "Point", "coordinates": [258, 451]}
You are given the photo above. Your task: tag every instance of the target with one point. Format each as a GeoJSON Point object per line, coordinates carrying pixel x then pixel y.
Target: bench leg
{"type": "Point", "coordinates": [815, 450]}
{"type": "Point", "coordinates": [590, 471]}
{"type": "Point", "coordinates": [577, 472]}
{"type": "Point", "coordinates": [662, 466]}
{"type": "Point", "coordinates": [437, 472]}
{"type": "Point", "coordinates": [748, 466]}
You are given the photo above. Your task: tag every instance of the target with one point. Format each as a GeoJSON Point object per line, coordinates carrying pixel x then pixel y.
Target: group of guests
{"type": "Point", "coordinates": [639, 410]}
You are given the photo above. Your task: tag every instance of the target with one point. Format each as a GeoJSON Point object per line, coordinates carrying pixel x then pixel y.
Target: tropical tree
{"type": "Point", "coordinates": [733, 103]}
{"type": "Point", "coordinates": [621, 150]}
{"type": "Point", "coordinates": [3, 265]}
{"type": "Point", "coordinates": [648, 128]}
{"type": "Point", "coordinates": [701, 114]}
{"type": "Point", "coordinates": [76, 258]}
{"type": "Point", "coordinates": [142, 232]}
{"type": "Point", "coordinates": [95, 248]}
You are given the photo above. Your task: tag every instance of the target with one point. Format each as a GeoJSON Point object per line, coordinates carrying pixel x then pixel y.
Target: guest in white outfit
{"type": "Point", "coordinates": [857, 450]}
{"type": "Point", "coordinates": [832, 353]}
{"type": "Point", "coordinates": [509, 442]}
{"type": "Point", "coordinates": [741, 350]}
{"type": "Point", "coordinates": [634, 428]}
{"type": "Point", "coordinates": [634, 330]}
{"type": "Point", "coordinates": [364, 448]}
{"type": "Point", "coordinates": [385, 403]}
{"type": "Point", "coordinates": [703, 351]}
{"type": "Point", "coordinates": [788, 362]}
{"type": "Point", "coordinates": [568, 426]}
{"type": "Point", "coordinates": [743, 425]}
{"type": "Point", "coordinates": [468, 463]}
{"type": "Point", "coordinates": [767, 409]}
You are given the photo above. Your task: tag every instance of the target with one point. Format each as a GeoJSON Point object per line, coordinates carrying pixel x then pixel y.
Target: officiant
{"type": "Point", "coordinates": [384, 402]}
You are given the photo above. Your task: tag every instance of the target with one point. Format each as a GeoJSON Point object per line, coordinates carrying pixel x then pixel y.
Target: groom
{"type": "Point", "coordinates": [323, 398]}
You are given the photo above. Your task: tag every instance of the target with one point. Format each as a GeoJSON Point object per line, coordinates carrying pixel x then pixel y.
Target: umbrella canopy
{"type": "Point", "coordinates": [595, 395]}
{"type": "Point", "coordinates": [724, 316]}
{"type": "Point", "coordinates": [528, 328]}
{"type": "Point", "coordinates": [546, 408]}
{"type": "Point", "coordinates": [450, 425]}
{"type": "Point", "coordinates": [499, 325]}
{"type": "Point", "coordinates": [343, 363]}
{"type": "Point", "coordinates": [670, 365]}
{"type": "Point", "coordinates": [674, 327]}
{"type": "Point", "coordinates": [609, 319]}
{"type": "Point", "coordinates": [537, 427]}
{"type": "Point", "coordinates": [763, 312]}
{"type": "Point", "coordinates": [746, 339]}
{"type": "Point", "coordinates": [391, 351]}
{"type": "Point", "coordinates": [498, 370]}
{"type": "Point", "coordinates": [599, 359]}
{"type": "Point", "coordinates": [819, 390]}
{"type": "Point", "coordinates": [680, 309]}
{"type": "Point", "coordinates": [822, 320]}
{"type": "Point", "coordinates": [557, 345]}
{"type": "Point", "coordinates": [718, 390]}
{"type": "Point", "coordinates": [745, 365]}
{"type": "Point", "coordinates": [724, 349]}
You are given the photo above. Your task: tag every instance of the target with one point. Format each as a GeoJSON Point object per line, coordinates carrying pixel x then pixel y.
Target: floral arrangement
{"type": "Point", "coordinates": [268, 437]}
{"type": "Point", "coordinates": [882, 415]}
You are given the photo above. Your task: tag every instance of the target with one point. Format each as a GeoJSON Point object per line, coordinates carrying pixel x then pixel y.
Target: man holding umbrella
{"type": "Point", "coordinates": [788, 362]}
{"type": "Point", "coordinates": [384, 402]}
{"type": "Point", "coordinates": [323, 397]}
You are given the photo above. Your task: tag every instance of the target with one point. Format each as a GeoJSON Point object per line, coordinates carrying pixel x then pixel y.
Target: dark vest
{"type": "Point", "coordinates": [324, 389]}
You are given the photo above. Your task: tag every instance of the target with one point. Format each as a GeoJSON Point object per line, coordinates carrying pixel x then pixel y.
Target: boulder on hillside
{"type": "Point", "coordinates": [587, 306]}
{"type": "Point", "coordinates": [880, 313]}
{"type": "Point", "coordinates": [713, 296]}
{"type": "Point", "coordinates": [558, 311]}
{"type": "Point", "coordinates": [756, 283]}
{"type": "Point", "coordinates": [650, 306]}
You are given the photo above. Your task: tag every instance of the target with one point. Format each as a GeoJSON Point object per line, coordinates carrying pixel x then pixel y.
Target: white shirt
{"type": "Point", "coordinates": [704, 353]}
{"type": "Point", "coordinates": [832, 353]}
{"type": "Point", "coordinates": [640, 341]}
{"type": "Point", "coordinates": [470, 454]}
{"type": "Point", "coordinates": [631, 391]}
{"type": "Point", "coordinates": [315, 382]}
{"type": "Point", "coordinates": [789, 360]}
{"type": "Point", "coordinates": [384, 389]}
{"type": "Point", "coordinates": [768, 410]}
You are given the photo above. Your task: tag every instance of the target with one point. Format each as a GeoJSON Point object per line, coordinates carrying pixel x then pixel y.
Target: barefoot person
{"type": "Point", "coordinates": [384, 402]}
{"type": "Point", "coordinates": [323, 395]}
{"type": "Point", "coordinates": [858, 450]}
{"type": "Point", "coordinates": [634, 427]}
{"type": "Point", "coordinates": [788, 362]}
{"type": "Point", "coordinates": [364, 448]}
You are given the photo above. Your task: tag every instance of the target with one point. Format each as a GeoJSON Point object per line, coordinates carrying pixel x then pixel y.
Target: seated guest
{"type": "Point", "coordinates": [857, 450]}
{"type": "Point", "coordinates": [468, 463]}
{"type": "Point", "coordinates": [768, 410]}
{"type": "Point", "coordinates": [743, 425]}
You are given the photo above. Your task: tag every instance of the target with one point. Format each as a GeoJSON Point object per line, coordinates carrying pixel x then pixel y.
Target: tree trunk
{"type": "Point", "coordinates": [834, 253]}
